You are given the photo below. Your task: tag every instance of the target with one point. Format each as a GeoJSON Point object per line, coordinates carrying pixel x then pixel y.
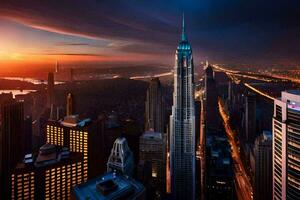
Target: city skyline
{"type": "Point", "coordinates": [98, 102]}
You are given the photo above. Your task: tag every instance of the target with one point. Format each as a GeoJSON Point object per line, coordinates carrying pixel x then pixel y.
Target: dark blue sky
{"type": "Point", "coordinates": [129, 31]}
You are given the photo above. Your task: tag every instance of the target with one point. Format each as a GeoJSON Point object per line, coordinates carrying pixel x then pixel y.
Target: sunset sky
{"type": "Point", "coordinates": [34, 34]}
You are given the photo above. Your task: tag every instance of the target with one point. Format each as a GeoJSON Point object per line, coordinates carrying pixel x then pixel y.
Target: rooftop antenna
{"type": "Point", "coordinates": [183, 35]}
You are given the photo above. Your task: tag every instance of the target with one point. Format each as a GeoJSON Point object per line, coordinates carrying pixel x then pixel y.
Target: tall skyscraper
{"type": "Point", "coordinates": [250, 118]}
{"type": "Point", "coordinates": [286, 146]}
{"type": "Point", "coordinates": [121, 158]}
{"type": "Point", "coordinates": [50, 90]}
{"type": "Point", "coordinates": [153, 150]}
{"type": "Point", "coordinates": [262, 166]}
{"type": "Point", "coordinates": [154, 107]}
{"type": "Point", "coordinates": [182, 123]}
{"type": "Point", "coordinates": [212, 119]}
{"type": "Point", "coordinates": [12, 124]}
{"type": "Point", "coordinates": [69, 104]}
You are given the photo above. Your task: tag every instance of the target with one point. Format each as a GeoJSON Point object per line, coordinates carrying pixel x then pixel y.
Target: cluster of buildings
{"type": "Point", "coordinates": [218, 181]}
{"type": "Point", "coordinates": [255, 136]}
{"type": "Point", "coordinates": [71, 156]}
{"type": "Point", "coordinates": [97, 158]}
{"type": "Point", "coordinates": [77, 157]}
{"type": "Point", "coordinates": [266, 130]}
{"type": "Point", "coordinates": [250, 116]}
{"type": "Point", "coordinates": [101, 159]}
{"type": "Point", "coordinates": [50, 173]}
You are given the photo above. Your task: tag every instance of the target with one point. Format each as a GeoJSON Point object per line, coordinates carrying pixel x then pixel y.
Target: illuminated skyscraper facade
{"type": "Point", "coordinates": [182, 124]}
{"type": "Point", "coordinates": [50, 175]}
{"type": "Point", "coordinates": [286, 146]}
{"type": "Point", "coordinates": [82, 136]}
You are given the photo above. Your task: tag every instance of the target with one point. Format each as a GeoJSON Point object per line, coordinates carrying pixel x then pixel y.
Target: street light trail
{"type": "Point", "coordinates": [152, 76]}
{"type": "Point", "coordinates": [168, 174]}
{"type": "Point", "coordinates": [232, 75]}
{"type": "Point", "coordinates": [202, 150]}
{"type": "Point", "coordinates": [254, 76]}
{"type": "Point", "coordinates": [259, 92]}
{"type": "Point", "coordinates": [244, 188]}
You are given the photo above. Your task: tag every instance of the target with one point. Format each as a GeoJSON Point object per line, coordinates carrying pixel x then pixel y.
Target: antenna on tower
{"type": "Point", "coordinates": [183, 35]}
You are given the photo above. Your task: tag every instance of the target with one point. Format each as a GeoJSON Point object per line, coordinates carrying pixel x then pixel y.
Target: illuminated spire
{"type": "Point", "coordinates": [183, 36]}
{"type": "Point", "coordinates": [182, 123]}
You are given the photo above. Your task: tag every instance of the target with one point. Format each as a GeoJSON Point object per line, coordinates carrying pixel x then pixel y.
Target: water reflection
{"type": "Point", "coordinates": [30, 80]}
{"type": "Point", "coordinates": [16, 92]}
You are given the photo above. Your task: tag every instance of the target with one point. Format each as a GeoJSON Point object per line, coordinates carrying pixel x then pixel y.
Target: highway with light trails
{"type": "Point", "coordinates": [233, 75]}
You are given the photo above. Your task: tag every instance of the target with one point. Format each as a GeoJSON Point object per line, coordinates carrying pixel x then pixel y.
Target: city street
{"type": "Point", "coordinates": [243, 187]}
{"type": "Point", "coordinates": [202, 151]}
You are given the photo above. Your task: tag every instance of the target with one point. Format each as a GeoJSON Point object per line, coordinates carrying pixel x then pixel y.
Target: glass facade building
{"type": "Point", "coordinates": [286, 146]}
{"type": "Point", "coordinates": [182, 123]}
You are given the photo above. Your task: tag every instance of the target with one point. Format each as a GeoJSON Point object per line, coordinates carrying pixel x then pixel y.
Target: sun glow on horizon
{"type": "Point", "coordinates": [27, 48]}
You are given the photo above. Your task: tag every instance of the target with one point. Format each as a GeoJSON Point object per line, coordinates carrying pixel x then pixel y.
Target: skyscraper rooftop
{"type": "Point", "coordinates": [286, 167]}
{"type": "Point", "coordinates": [74, 121]}
{"type": "Point", "coordinates": [47, 155]}
{"type": "Point", "coordinates": [110, 186]}
{"type": "Point", "coordinates": [151, 135]}
{"type": "Point", "coordinates": [121, 157]}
